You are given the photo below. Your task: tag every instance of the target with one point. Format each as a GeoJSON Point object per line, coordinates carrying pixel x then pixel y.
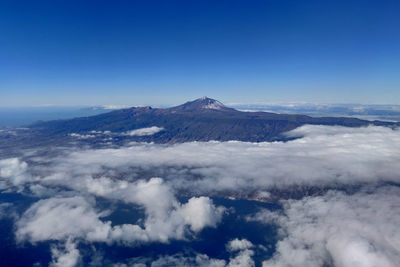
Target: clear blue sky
{"type": "Point", "coordinates": [165, 52]}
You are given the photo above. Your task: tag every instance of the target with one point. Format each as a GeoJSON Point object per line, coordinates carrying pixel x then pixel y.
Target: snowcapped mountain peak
{"type": "Point", "coordinates": [203, 103]}
{"type": "Point", "coordinates": [208, 103]}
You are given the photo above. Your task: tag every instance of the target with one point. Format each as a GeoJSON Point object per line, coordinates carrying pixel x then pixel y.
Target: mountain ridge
{"type": "Point", "coordinates": [203, 119]}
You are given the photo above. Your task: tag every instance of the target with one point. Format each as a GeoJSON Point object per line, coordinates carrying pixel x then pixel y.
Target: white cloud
{"type": "Point", "coordinates": [138, 132]}
{"type": "Point", "coordinates": [326, 155]}
{"type": "Point", "coordinates": [66, 256]}
{"type": "Point", "coordinates": [241, 256]}
{"type": "Point", "coordinates": [239, 244]}
{"type": "Point", "coordinates": [313, 131]}
{"type": "Point", "coordinates": [242, 259]}
{"type": "Point", "coordinates": [330, 229]}
{"type": "Point", "coordinates": [201, 211]}
{"type": "Point", "coordinates": [60, 219]}
{"type": "Point", "coordinates": [82, 136]}
{"type": "Point", "coordinates": [7, 210]}
{"type": "Point", "coordinates": [340, 230]}
{"type": "Point", "coordinates": [244, 253]}
{"type": "Point", "coordinates": [114, 106]}
{"type": "Point", "coordinates": [144, 131]}
{"type": "Point", "coordinates": [76, 217]}
{"type": "Point", "coordinates": [14, 171]}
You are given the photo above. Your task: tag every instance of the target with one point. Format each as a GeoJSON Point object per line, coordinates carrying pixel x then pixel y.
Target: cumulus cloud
{"type": "Point", "coordinates": [242, 247]}
{"type": "Point", "coordinates": [145, 131]}
{"type": "Point", "coordinates": [65, 256]}
{"type": "Point", "coordinates": [75, 217]}
{"type": "Point", "coordinates": [60, 219]}
{"type": "Point", "coordinates": [239, 244]}
{"type": "Point", "coordinates": [201, 211]}
{"type": "Point", "coordinates": [14, 171]}
{"type": "Point", "coordinates": [338, 229]}
{"type": "Point", "coordinates": [243, 259]}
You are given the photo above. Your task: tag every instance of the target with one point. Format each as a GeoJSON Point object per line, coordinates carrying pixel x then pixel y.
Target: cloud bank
{"type": "Point", "coordinates": [324, 156]}
{"type": "Point", "coordinates": [333, 228]}
{"type": "Point", "coordinates": [338, 230]}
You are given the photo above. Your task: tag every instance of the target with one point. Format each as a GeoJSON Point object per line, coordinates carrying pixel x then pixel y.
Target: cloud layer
{"type": "Point", "coordinates": [324, 156]}
{"type": "Point", "coordinates": [338, 229]}
{"type": "Point", "coordinates": [334, 228]}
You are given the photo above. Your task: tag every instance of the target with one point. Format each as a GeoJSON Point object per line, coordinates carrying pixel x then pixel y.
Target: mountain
{"type": "Point", "coordinates": [203, 119]}
{"type": "Point", "coordinates": [203, 104]}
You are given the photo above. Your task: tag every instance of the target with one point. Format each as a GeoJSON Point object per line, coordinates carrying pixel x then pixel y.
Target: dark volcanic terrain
{"type": "Point", "coordinates": [203, 119]}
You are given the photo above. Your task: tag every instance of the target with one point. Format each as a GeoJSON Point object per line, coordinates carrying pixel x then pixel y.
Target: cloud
{"type": "Point", "coordinates": [7, 210]}
{"type": "Point", "coordinates": [107, 135]}
{"type": "Point", "coordinates": [239, 244]}
{"type": "Point", "coordinates": [14, 171]}
{"type": "Point", "coordinates": [334, 228]}
{"type": "Point", "coordinates": [76, 218]}
{"type": "Point", "coordinates": [242, 259]}
{"type": "Point", "coordinates": [82, 136]}
{"type": "Point", "coordinates": [144, 131]}
{"type": "Point", "coordinates": [65, 256]}
{"type": "Point", "coordinates": [313, 131]}
{"type": "Point", "coordinates": [338, 229]}
{"type": "Point", "coordinates": [324, 156]}
{"type": "Point", "coordinates": [239, 250]}
{"type": "Point", "coordinates": [166, 217]}
{"type": "Point", "coordinates": [244, 253]}
{"type": "Point", "coordinates": [114, 106]}
{"type": "Point", "coordinates": [60, 219]}
{"type": "Point", "coordinates": [201, 211]}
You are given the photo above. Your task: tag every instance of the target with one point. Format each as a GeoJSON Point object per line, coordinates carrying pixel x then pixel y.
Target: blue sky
{"type": "Point", "coordinates": [167, 52]}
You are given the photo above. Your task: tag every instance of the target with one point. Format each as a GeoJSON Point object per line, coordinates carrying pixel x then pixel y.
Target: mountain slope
{"type": "Point", "coordinates": [203, 119]}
